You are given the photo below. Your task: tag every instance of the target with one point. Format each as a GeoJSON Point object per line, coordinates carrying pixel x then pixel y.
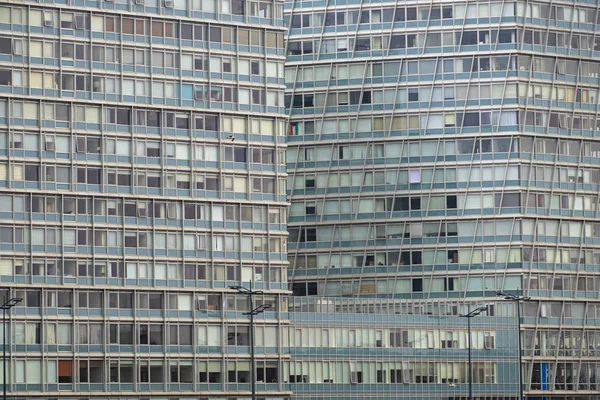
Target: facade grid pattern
{"type": "Point", "coordinates": [449, 151]}
{"type": "Point", "coordinates": [142, 172]}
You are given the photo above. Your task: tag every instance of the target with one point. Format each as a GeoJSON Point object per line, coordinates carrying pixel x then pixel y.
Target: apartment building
{"type": "Point", "coordinates": [446, 151]}
{"type": "Point", "coordinates": [141, 174]}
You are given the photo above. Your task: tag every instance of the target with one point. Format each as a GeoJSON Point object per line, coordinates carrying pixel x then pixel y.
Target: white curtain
{"type": "Point", "coordinates": [19, 372]}
{"type": "Point", "coordinates": [51, 371]}
{"type": "Point", "coordinates": [64, 334]}
{"type": "Point", "coordinates": [184, 302]}
{"type": "Point", "coordinates": [96, 334]}
{"type": "Point", "coordinates": [213, 336]}
{"type": "Point", "coordinates": [31, 331]}
{"type": "Point", "coordinates": [51, 334]}
{"type": "Point", "coordinates": [19, 333]}
{"type": "Point", "coordinates": [508, 118]}
{"type": "Point", "coordinates": [34, 371]}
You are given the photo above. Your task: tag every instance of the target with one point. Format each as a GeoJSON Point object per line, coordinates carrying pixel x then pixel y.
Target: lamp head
{"type": "Point", "coordinates": [241, 289]}
{"type": "Point", "coordinates": [11, 303]}
{"type": "Point", "coordinates": [475, 312]}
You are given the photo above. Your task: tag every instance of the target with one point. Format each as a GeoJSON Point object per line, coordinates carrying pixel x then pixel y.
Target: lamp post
{"type": "Point", "coordinates": [253, 311]}
{"type": "Point", "coordinates": [517, 300]}
{"type": "Point", "coordinates": [468, 316]}
{"type": "Point", "coordinates": [6, 307]}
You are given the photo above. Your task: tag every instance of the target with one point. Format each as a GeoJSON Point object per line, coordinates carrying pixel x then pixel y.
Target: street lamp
{"type": "Point", "coordinates": [253, 311]}
{"type": "Point", "coordinates": [468, 316]}
{"type": "Point", "coordinates": [6, 307]}
{"type": "Point", "coordinates": [517, 300]}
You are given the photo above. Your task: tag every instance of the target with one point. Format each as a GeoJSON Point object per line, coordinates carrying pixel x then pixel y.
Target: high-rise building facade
{"type": "Point", "coordinates": [448, 150]}
{"type": "Point", "coordinates": [141, 174]}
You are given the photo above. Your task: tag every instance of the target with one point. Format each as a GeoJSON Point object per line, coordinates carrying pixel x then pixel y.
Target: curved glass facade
{"type": "Point", "coordinates": [448, 151]}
